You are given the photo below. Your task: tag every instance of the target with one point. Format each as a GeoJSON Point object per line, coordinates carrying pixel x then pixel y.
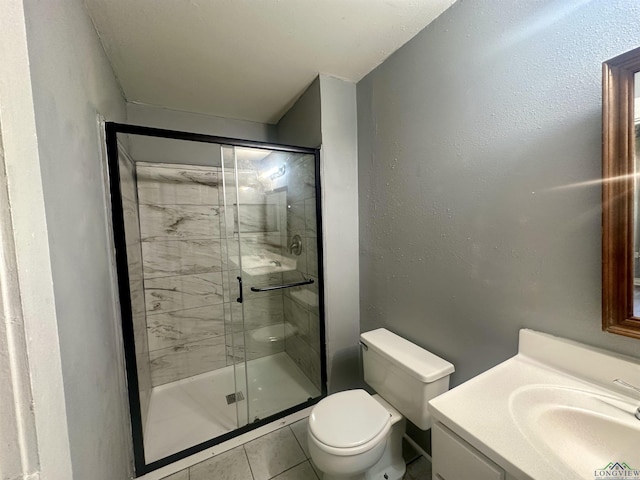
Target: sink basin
{"type": "Point", "coordinates": [583, 431]}
{"type": "Point", "coordinates": [552, 412]}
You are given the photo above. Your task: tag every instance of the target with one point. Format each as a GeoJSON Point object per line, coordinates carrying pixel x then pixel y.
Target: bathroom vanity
{"type": "Point", "coordinates": [456, 458]}
{"type": "Point", "coordinates": [557, 410]}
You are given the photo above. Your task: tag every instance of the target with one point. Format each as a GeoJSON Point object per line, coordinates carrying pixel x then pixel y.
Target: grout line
{"type": "Point", "coordinates": [248, 461]}
{"type": "Point", "coordinates": [188, 342]}
{"type": "Point", "coordinates": [268, 433]}
{"type": "Point", "coordinates": [291, 468]}
{"type": "Point", "coordinates": [162, 239]}
{"type": "Point", "coordinates": [146, 277]}
{"type": "Point", "coordinates": [151, 314]}
{"type": "Point", "coordinates": [298, 441]}
{"type": "Point", "coordinates": [148, 203]}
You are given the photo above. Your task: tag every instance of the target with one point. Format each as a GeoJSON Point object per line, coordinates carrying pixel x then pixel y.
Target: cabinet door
{"type": "Point", "coordinates": [455, 459]}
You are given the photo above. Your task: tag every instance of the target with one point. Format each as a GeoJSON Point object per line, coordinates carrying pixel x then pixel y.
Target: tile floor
{"type": "Point", "coordinates": [279, 455]}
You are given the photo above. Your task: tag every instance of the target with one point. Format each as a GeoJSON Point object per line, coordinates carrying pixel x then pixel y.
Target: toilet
{"type": "Point", "coordinates": [353, 435]}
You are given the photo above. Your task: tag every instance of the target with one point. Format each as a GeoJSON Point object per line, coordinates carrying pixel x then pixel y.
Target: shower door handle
{"type": "Point", "coordinates": [239, 299]}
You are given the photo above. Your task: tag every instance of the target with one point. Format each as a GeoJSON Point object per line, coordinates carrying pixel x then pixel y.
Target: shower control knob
{"type": "Point", "coordinates": [295, 246]}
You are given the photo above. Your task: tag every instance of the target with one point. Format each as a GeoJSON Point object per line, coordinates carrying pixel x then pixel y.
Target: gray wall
{"type": "Point", "coordinates": [326, 113]}
{"type": "Point", "coordinates": [153, 116]}
{"type": "Point", "coordinates": [72, 82]}
{"type": "Point", "coordinates": [474, 139]}
{"type": "Point", "coordinates": [301, 124]}
{"type": "Point", "coordinates": [339, 176]}
{"type": "Point", "coordinates": [154, 149]}
{"type": "Point", "coordinates": [160, 117]}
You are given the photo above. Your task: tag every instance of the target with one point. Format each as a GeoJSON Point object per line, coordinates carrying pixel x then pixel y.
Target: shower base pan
{"type": "Point", "coordinates": [191, 411]}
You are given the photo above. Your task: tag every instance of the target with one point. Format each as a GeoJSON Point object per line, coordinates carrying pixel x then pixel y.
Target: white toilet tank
{"type": "Point", "coordinates": [404, 374]}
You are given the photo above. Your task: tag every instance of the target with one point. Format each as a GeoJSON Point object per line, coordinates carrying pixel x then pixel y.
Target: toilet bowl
{"type": "Point", "coordinates": [350, 432]}
{"type": "Point", "coordinates": [357, 436]}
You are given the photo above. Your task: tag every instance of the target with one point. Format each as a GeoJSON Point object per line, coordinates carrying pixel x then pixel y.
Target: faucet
{"type": "Point", "coordinates": [630, 387]}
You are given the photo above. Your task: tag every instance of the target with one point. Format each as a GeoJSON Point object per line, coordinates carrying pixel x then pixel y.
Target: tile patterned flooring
{"type": "Point", "coordinates": [279, 455]}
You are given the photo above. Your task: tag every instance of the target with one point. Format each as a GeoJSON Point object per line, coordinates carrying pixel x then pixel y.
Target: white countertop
{"type": "Point", "coordinates": [480, 410]}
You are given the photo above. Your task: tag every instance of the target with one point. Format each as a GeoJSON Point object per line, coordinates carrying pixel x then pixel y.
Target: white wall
{"type": "Point", "coordinates": [19, 452]}
{"type": "Point", "coordinates": [50, 101]}
{"type": "Point", "coordinates": [33, 270]}
{"type": "Point", "coordinates": [339, 164]}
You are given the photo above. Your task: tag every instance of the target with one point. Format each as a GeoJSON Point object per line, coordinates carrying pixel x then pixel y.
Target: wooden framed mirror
{"type": "Point", "coordinates": [620, 194]}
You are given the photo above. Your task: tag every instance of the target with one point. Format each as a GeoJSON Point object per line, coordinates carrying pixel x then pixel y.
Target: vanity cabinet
{"type": "Point", "coordinates": [455, 459]}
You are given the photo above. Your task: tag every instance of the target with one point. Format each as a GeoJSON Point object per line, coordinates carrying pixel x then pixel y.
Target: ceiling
{"type": "Point", "coordinates": [248, 59]}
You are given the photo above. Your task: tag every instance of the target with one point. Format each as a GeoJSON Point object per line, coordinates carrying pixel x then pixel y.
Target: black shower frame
{"type": "Point", "coordinates": [112, 129]}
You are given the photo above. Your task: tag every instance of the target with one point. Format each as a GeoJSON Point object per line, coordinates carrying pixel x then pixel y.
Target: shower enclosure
{"type": "Point", "coordinates": [218, 258]}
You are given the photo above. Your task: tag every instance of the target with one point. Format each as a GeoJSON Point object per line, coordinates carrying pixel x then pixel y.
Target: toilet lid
{"type": "Point", "coordinates": [347, 419]}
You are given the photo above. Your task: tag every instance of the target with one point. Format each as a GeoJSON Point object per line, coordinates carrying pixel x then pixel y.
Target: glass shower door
{"type": "Point", "coordinates": [233, 288]}
{"type": "Point", "coordinates": [171, 247]}
{"type": "Point", "coordinates": [219, 284]}
{"type": "Point", "coordinates": [271, 228]}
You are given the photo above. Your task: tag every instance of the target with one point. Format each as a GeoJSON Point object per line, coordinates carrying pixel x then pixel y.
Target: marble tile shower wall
{"type": "Point", "coordinates": [183, 265]}
{"type": "Point", "coordinates": [261, 333]}
{"type": "Point", "coordinates": [134, 261]}
{"type": "Point", "coordinates": [190, 286]}
{"type": "Point", "coordinates": [301, 304]}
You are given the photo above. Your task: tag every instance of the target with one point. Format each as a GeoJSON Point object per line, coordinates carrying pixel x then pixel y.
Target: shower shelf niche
{"type": "Point", "coordinates": [273, 333]}
{"type": "Point", "coordinates": [266, 263]}
{"type": "Point", "coordinates": [307, 297]}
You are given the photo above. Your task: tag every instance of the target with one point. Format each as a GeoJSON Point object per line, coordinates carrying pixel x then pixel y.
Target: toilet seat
{"type": "Point", "coordinates": [349, 422]}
